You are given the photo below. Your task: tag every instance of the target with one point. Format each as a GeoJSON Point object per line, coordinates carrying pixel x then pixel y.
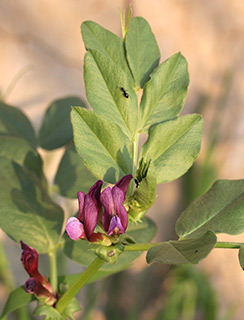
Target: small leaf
{"type": "Point", "coordinates": [102, 145]}
{"type": "Point", "coordinates": [183, 251]}
{"type": "Point", "coordinates": [27, 213]}
{"type": "Point", "coordinates": [56, 129]}
{"type": "Point", "coordinates": [173, 146]}
{"type": "Point", "coordinates": [221, 210]}
{"type": "Point", "coordinates": [142, 50]}
{"type": "Point", "coordinates": [241, 257]}
{"type": "Point", "coordinates": [14, 122]}
{"type": "Point", "coordinates": [80, 251]}
{"type": "Point", "coordinates": [103, 82]}
{"type": "Point", "coordinates": [49, 312]}
{"type": "Point", "coordinates": [164, 94]}
{"type": "Point", "coordinates": [17, 299]}
{"type": "Point", "coordinates": [72, 175]}
{"type": "Point", "coordinates": [98, 38]}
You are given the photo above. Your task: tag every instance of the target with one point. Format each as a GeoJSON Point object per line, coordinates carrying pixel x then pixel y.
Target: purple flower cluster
{"type": "Point", "coordinates": [100, 208]}
{"type": "Point", "coordinates": [37, 284]}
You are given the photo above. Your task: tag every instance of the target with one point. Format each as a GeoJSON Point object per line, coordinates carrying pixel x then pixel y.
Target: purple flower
{"type": "Point", "coordinates": [83, 226]}
{"type": "Point", "coordinates": [115, 218]}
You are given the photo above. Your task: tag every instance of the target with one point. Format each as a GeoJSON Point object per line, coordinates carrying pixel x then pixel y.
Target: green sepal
{"type": "Point", "coordinates": [110, 254]}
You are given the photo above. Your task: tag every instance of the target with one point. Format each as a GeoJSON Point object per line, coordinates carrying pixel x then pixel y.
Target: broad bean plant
{"type": "Point", "coordinates": [134, 100]}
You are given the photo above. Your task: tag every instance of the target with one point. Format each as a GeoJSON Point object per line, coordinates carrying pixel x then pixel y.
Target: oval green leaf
{"type": "Point", "coordinates": [80, 251]}
{"type": "Point", "coordinates": [98, 38]}
{"type": "Point", "coordinates": [241, 257]}
{"type": "Point", "coordinates": [104, 148]}
{"type": "Point", "coordinates": [56, 129]}
{"type": "Point", "coordinates": [173, 146]}
{"type": "Point", "coordinates": [13, 122]}
{"type": "Point", "coordinates": [164, 94]}
{"type": "Point", "coordinates": [103, 82]}
{"type": "Point", "coordinates": [26, 212]}
{"type": "Point", "coordinates": [183, 251]}
{"type": "Point", "coordinates": [142, 51]}
{"type": "Point", "coordinates": [72, 175]}
{"type": "Point", "coordinates": [221, 210]}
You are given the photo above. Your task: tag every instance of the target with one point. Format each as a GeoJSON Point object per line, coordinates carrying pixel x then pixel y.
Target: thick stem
{"type": "Point", "coordinates": [78, 284]}
{"type": "Point", "coordinates": [53, 269]}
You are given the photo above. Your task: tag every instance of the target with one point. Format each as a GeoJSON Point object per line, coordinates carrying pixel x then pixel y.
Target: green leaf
{"type": "Point", "coordinates": [17, 299]}
{"type": "Point", "coordinates": [27, 213]}
{"type": "Point", "coordinates": [80, 251]}
{"type": "Point", "coordinates": [173, 146]}
{"type": "Point", "coordinates": [56, 129]}
{"type": "Point", "coordinates": [183, 251]}
{"type": "Point", "coordinates": [221, 210]}
{"type": "Point", "coordinates": [241, 257]}
{"type": "Point", "coordinates": [103, 82]}
{"type": "Point", "coordinates": [164, 94]}
{"type": "Point", "coordinates": [22, 152]}
{"type": "Point", "coordinates": [14, 122]}
{"type": "Point", "coordinates": [49, 312]}
{"type": "Point", "coordinates": [98, 38]}
{"type": "Point", "coordinates": [102, 145]}
{"type": "Point", "coordinates": [142, 50]}
{"type": "Point", "coordinates": [72, 175]}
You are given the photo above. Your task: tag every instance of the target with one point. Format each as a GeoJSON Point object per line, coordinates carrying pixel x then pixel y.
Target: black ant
{"type": "Point", "coordinates": [124, 92]}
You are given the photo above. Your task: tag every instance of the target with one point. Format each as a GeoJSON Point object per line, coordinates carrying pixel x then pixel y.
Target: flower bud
{"type": "Point", "coordinates": [34, 286]}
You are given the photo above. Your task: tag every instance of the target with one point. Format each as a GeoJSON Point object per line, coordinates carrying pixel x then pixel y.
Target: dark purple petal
{"type": "Point", "coordinates": [107, 200]}
{"type": "Point", "coordinates": [122, 214]}
{"type": "Point", "coordinates": [90, 215]}
{"type": "Point", "coordinates": [118, 198]}
{"type": "Point", "coordinates": [81, 198]}
{"type": "Point", "coordinates": [95, 192]}
{"type": "Point", "coordinates": [123, 183]}
{"type": "Point", "coordinates": [75, 228]}
{"type": "Point", "coordinates": [115, 223]}
{"type": "Point", "coordinates": [29, 259]}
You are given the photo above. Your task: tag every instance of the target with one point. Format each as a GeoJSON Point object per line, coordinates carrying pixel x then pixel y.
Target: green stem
{"type": "Point", "coordinates": [147, 246]}
{"type": "Point", "coordinates": [78, 284]}
{"type": "Point", "coordinates": [53, 269]}
{"type": "Point", "coordinates": [135, 152]}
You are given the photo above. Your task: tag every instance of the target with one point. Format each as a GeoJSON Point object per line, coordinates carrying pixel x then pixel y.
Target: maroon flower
{"type": "Point", "coordinates": [34, 286]}
{"type": "Point", "coordinates": [115, 218]}
{"type": "Point", "coordinates": [37, 284]}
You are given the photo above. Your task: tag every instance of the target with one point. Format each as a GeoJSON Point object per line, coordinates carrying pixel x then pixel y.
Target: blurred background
{"type": "Point", "coordinates": [41, 59]}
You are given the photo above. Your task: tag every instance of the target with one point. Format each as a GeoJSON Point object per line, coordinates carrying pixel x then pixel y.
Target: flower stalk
{"type": "Point", "coordinates": [78, 284]}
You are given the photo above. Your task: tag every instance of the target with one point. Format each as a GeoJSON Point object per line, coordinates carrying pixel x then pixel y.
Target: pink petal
{"type": "Point", "coordinates": [74, 228]}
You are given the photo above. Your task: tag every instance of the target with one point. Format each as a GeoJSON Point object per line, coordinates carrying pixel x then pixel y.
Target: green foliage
{"type": "Point", "coordinates": [164, 94]}
{"type": "Point", "coordinates": [17, 299]}
{"type": "Point", "coordinates": [72, 175]}
{"type": "Point", "coordinates": [221, 210]}
{"type": "Point", "coordinates": [56, 129]}
{"type": "Point", "coordinates": [103, 82]}
{"type": "Point", "coordinates": [103, 146]}
{"type": "Point", "coordinates": [142, 51]}
{"type": "Point", "coordinates": [13, 122]}
{"type": "Point", "coordinates": [173, 146]}
{"type": "Point", "coordinates": [27, 213]}
{"type": "Point", "coordinates": [241, 257]}
{"type": "Point", "coordinates": [183, 251]}
{"type": "Point", "coordinates": [20, 151]}
{"type": "Point", "coordinates": [80, 251]}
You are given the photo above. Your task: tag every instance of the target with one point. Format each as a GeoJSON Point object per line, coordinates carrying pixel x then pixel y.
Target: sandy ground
{"type": "Point", "coordinates": [41, 45]}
